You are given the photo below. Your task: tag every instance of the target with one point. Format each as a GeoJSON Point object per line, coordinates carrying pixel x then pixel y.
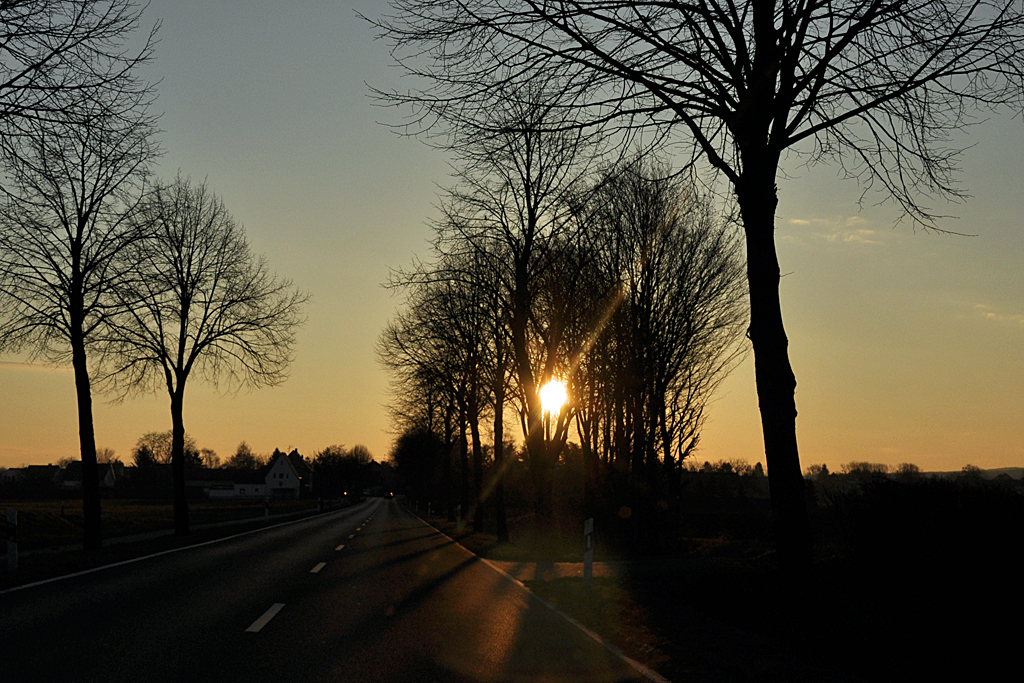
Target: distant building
{"type": "Point", "coordinates": [304, 470]}
{"type": "Point", "coordinates": [70, 478]}
{"type": "Point", "coordinates": [282, 478]}
{"type": "Point", "coordinates": [218, 484]}
{"type": "Point", "coordinates": [286, 476]}
{"type": "Point", "coordinates": [37, 474]}
{"type": "Point", "coordinates": [14, 475]}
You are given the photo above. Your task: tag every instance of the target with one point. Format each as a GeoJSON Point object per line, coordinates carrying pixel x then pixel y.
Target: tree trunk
{"type": "Point", "coordinates": [178, 460]}
{"type": "Point", "coordinates": [478, 467]}
{"type": "Point", "coordinates": [499, 467]}
{"type": "Point", "coordinates": [446, 467]}
{"type": "Point", "coordinates": [536, 444]}
{"type": "Point", "coordinates": [449, 497]}
{"type": "Point", "coordinates": [588, 439]}
{"type": "Point", "coordinates": [499, 436]}
{"type": "Point", "coordinates": [463, 467]}
{"type": "Point", "coordinates": [776, 383]}
{"type": "Point", "coordinates": [92, 529]}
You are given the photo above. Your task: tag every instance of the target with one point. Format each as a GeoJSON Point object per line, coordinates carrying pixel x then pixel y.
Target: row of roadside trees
{"type": "Point", "coordinates": [738, 86]}
{"type": "Point", "coordinates": [553, 260]}
{"type": "Point", "coordinates": [138, 284]}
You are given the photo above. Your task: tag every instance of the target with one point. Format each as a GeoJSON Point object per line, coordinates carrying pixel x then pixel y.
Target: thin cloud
{"type": "Point", "coordinates": [842, 229]}
{"type": "Point", "coordinates": [15, 365]}
{"type": "Point", "coordinates": [994, 314]}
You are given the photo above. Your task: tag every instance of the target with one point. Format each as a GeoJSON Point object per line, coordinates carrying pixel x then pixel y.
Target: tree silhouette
{"type": "Point", "coordinates": [673, 275]}
{"type": "Point", "coordinates": [201, 303]}
{"type": "Point", "coordinates": [877, 85]}
{"type": "Point", "coordinates": [244, 459]}
{"type": "Point", "coordinates": [438, 345]}
{"type": "Point", "coordinates": [72, 48]}
{"type": "Point", "coordinates": [159, 447]}
{"type": "Point", "coordinates": [512, 207]}
{"type": "Point", "coordinates": [72, 181]}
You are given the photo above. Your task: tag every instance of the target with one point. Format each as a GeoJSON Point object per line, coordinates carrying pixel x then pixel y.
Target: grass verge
{"type": "Point", "coordinates": [39, 566]}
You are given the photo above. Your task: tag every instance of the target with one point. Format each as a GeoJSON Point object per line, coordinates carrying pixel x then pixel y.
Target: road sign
{"type": "Point", "coordinates": [12, 539]}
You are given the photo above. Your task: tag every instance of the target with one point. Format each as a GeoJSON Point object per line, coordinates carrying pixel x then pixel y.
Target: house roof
{"type": "Point", "coordinates": [299, 464]}
{"type": "Point", "coordinates": [73, 472]}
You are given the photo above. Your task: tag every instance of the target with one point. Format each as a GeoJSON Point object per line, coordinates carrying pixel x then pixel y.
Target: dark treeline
{"type": "Point", "coordinates": [334, 473]}
{"type": "Point", "coordinates": [617, 279]}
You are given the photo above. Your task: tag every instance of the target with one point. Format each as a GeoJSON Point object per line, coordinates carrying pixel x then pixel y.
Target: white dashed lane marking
{"type": "Point", "coordinates": [316, 569]}
{"type": "Point", "coordinates": [340, 547]}
{"type": "Point", "coordinates": [267, 616]}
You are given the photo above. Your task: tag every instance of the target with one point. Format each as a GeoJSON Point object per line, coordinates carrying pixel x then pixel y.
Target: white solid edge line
{"type": "Point", "coordinates": [267, 616]}
{"type": "Point", "coordinates": [165, 552]}
{"type": "Point", "coordinates": [316, 569]}
{"type": "Point", "coordinates": [650, 674]}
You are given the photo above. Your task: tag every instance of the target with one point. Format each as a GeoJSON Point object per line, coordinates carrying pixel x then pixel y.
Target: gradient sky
{"type": "Point", "coordinates": [907, 346]}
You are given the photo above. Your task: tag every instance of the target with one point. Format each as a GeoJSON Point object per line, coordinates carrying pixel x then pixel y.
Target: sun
{"type": "Point", "coordinates": [553, 396]}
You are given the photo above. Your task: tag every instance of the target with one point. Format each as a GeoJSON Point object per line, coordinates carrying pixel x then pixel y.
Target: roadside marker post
{"type": "Point", "coordinates": [588, 555]}
{"type": "Point", "coordinates": [12, 540]}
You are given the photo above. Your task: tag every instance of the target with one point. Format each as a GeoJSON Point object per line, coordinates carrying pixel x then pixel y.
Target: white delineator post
{"type": "Point", "coordinates": [12, 539]}
{"type": "Point", "coordinates": [588, 555]}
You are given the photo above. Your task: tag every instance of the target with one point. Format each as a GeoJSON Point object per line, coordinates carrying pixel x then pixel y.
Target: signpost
{"type": "Point", "coordinates": [12, 539]}
{"type": "Point", "coordinates": [588, 555]}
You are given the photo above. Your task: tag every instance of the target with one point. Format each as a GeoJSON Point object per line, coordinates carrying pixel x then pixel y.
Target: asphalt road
{"type": "Point", "coordinates": [369, 593]}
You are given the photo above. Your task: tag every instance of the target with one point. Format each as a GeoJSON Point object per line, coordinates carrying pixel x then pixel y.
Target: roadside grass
{"type": "Point", "coordinates": [52, 533]}
{"type": "Point", "coordinates": [646, 617]}
{"type": "Point", "coordinates": [529, 540]}
{"type": "Point", "coordinates": [607, 607]}
{"type": "Point", "coordinates": [55, 522]}
{"type": "Point", "coordinates": [905, 600]}
{"type": "Point", "coordinates": [711, 612]}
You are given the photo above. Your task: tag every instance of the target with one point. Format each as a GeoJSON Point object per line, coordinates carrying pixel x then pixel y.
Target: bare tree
{"type": "Point", "coordinates": [512, 206]}
{"type": "Point", "coordinates": [106, 456]}
{"type": "Point", "coordinates": [71, 182]}
{"type": "Point", "coordinates": [74, 48]}
{"type": "Point", "coordinates": [877, 85]}
{"type": "Point", "coordinates": [421, 386]}
{"type": "Point", "coordinates": [209, 458]}
{"type": "Point", "coordinates": [201, 303]}
{"type": "Point", "coordinates": [676, 274]}
{"type": "Point", "coordinates": [245, 459]}
{"type": "Point", "coordinates": [158, 446]}
{"type": "Point", "coordinates": [438, 346]}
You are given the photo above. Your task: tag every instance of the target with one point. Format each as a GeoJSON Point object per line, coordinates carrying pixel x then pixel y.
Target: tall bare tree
{"type": "Point", "coordinates": [77, 48]}
{"type": "Point", "coordinates": [201, 304]}
{"type": "Point", "coordinates": [679, 275]}
{"type": "Point", "coordinates": [438, 345]}
{"type": "Point", "coordinates": [72, 181]}
{"type": "Point", "coordinates": [877, 85]}
{"type": "Point", "coordinates": [513, 207]}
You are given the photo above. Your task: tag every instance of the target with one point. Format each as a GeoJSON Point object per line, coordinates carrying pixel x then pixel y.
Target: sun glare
{"type": "Point", "coordinates": [553, 396]}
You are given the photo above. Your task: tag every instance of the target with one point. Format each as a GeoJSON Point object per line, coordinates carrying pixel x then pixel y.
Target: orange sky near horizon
{"type": "Point", "coordinates": [907, 346]}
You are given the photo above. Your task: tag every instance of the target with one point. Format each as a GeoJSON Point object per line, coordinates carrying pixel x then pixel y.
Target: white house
{"type": "Point", "coordinates": [282, 479]}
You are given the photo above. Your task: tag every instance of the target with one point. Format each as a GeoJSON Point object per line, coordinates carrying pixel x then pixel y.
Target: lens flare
{"type": "Point", "coordinates": [553, 396]}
